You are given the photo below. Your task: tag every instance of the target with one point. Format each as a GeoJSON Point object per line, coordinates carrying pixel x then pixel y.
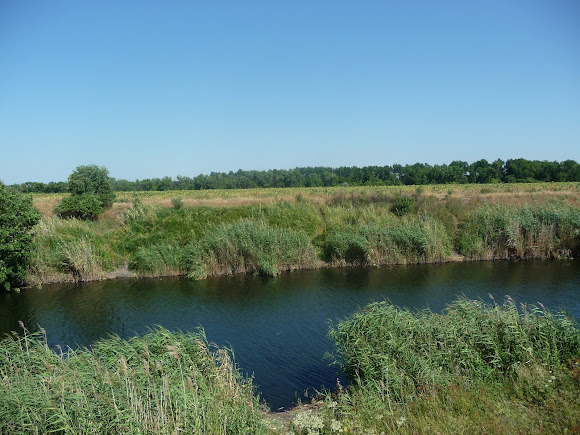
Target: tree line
{"type": "Point", "coordinates": [479, 172]}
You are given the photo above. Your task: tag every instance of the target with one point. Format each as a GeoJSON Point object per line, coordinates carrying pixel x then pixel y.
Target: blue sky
{"type": "Point", "coordinates": [152, 89]}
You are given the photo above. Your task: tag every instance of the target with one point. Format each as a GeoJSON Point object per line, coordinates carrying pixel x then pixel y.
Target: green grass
{"type": "Point", "coordinates": [475, 368]}
{"type": "Point", "coordinates": [248, 246]}
{"type": "Point", "coordinates": [242, 247]}
{"type": "Point", "coordinates": [162, 259]}
{"type": "Point", "coordinates": [162, 382]}
{"type": "Point", "coordinates": [345, 225]}
{"type": "Point", "coordinates": [545, 231]}
{"type": "Point", "coordinates": [419, 240]}
{"type": "Point", "coordinates": [71, 250]}
{"type": "Point", "coordinates": [149, 225]}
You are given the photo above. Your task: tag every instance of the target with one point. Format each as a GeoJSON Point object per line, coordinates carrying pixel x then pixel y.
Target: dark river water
{"type": "Point", "coordinates": [277, 326]}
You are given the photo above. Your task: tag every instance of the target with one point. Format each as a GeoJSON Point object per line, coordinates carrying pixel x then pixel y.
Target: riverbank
{"type": "Point", "coordinates": [473, 368]}
{"type": "Point", "coordinates": [291, 229]}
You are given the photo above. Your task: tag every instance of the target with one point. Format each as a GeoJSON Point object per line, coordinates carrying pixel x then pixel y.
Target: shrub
{"type": "Point", "coordinates": [403, 205]}
{"type": "Point", "coordinates": [17, 217]}
{"type": "Point", "coordinates": [95, 180]}
{"type": "Point", "coordinates": [176, 203]}
{"type": "Point", "coordinates": [91, 192]}
{"type": "Point", "coordinates": [87, 207]}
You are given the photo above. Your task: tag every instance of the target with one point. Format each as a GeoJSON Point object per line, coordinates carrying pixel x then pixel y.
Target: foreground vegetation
{"type": "Point", "coordinates": [162, 382]}
{"type": "Point", "coordinates": [268, 231]}
{"type": "Point", "coordinates": [474, 368]}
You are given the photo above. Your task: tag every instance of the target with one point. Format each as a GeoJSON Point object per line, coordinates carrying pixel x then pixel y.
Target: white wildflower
{"type": "Point", "coordinates": [401, 421]}
{"type": "Point", "coordinates": [335, 426]}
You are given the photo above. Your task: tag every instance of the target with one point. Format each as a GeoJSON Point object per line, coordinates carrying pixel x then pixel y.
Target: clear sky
{"type": "Point", "coordinates": [166, 88]}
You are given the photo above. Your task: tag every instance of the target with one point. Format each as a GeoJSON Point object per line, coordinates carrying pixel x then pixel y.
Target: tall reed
{"type": "Point", "coordinates": [475, 368]}
{"type": "Point", "coordinates": [416, 240]}
{"type": "Point", "coordinates": [162, 259]}
{"type": "Point", "coordinates": [70, 250]}
{"type": "Point", "coordinates": [145, 226]}
{"type": "Point", "coordinates": [248, 246]}
{"type": "Point", "coordinates": [162, 382]}
{"type": "Point", "coordinates": [546, 231]}
{"type": "Point", "coordinates": [470, 340]}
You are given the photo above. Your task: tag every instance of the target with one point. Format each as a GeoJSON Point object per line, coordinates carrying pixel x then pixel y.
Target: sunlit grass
{"type": "Point", "coordinates": [475, 368]}
{"type": "Point", "coordinates": [162, 382]}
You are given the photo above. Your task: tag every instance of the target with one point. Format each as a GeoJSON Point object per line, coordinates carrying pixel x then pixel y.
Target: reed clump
{"type": "Point", "coordinates": [70, 250]}
{"type": "Point", "coordinates": [148, 225]}
{"type": "Point", "coordinates": [161, 382]}
{"type": "Point", "coordinates": [475, 368]}
{"type": "Point", "coordinates": [248, 246]}
{"type": "Point", "coordinates": [162, 259]}
{"type": "Point", "coordinates": [502, 232]}
{"type": "Point", "coordinates": [417, 240]}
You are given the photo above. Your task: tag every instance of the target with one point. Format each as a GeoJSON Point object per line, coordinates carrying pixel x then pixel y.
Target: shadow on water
{"type": "Point", "coordinates": [277, 326]}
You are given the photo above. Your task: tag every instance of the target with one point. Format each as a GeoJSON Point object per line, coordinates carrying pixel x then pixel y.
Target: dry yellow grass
{"type": "Point", "coordinates": [45, 203]}
{"type": "Point", "coordinates": [506, 194]}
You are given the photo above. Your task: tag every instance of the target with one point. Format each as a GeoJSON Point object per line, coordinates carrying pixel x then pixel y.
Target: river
{"type": "Point", "coordinates": [277, 326]}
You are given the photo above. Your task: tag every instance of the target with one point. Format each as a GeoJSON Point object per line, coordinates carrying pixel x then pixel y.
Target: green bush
{"type": "Point", "coordinates": [87, 206]}
{"type": "Point", "coordinates": [17, 217]}
{"type": "Point", "coordinates": [176, 203]}
{"type": "Point", "coordinates": [403, 205]}
{"type": "Point", "coordinates": [92, 179]}
{"type": "Point", "coordinates": [91, 192]}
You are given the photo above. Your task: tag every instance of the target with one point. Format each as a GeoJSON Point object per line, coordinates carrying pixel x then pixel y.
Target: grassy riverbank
{"type": "Point", "coordinates": [268, 231]}
{"type": "Point", "coordinates": [474, 368]}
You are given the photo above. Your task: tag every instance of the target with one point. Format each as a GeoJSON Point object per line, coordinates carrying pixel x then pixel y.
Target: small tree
{"type": "Point", "coordinates": [17, 217]}
{"type": "Point", "coordinates": [91, 192]}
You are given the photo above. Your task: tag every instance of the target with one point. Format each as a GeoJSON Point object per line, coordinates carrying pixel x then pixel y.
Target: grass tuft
{"type": "Point", "coordinates": [548, 231]}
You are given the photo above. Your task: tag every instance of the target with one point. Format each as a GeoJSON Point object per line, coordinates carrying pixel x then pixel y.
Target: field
{"type": "Point", "coordinates": [500, 193]}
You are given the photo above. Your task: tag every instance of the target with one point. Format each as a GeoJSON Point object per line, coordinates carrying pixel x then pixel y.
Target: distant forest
{"type": "Point", "coordinates": [480, 172]}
